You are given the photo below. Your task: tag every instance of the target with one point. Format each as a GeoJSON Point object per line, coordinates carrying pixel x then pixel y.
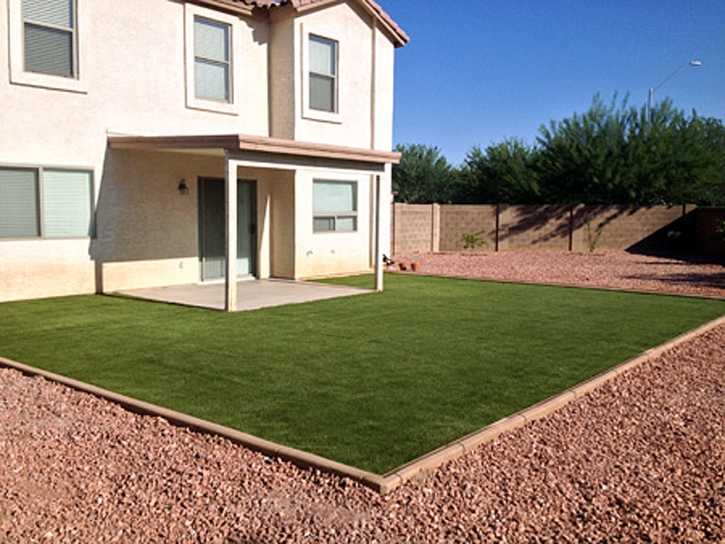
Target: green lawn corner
{"type": "Point", "coordinates": [372, 380]}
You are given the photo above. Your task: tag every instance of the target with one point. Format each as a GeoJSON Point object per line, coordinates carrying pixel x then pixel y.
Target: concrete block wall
{"type": "Point", "coordinates": [426, 228]}
{"type": "Point", "coordinates": [534, 227]}
{"type": "Point", "coordinates": [706, 221]}
{"type": "Point", "coordinates": [415, 228]}
{"type": "Point", "coordinates": [619, 227]}
{"type": "Point", "coordinates": [459, 220]}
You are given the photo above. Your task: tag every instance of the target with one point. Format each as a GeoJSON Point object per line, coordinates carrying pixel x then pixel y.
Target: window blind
{"type": "Point", "coordinates": [322, 56]}
{"type": "Point", "coordinates": [212, 59]}
{"type": "Point", "coordinates": [323, 68]}
{"type": "Point", "coordinates": [51, 12]}
{"type": "Point", "coordinates": [67, 203]}
{"type": "Point", "coordinates": [49, 37]}
{"type": "Point", "coordinates": [334, 196]}
{"type": "Point", "coordinates": [19, 217]}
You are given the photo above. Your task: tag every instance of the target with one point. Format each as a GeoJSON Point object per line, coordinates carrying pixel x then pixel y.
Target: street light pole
{"type": "Point", "coordinates": [652, 90]}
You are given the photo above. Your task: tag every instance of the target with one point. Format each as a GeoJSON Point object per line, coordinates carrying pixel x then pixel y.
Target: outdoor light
{"type": "Point", "coordinates": [183, 187]}
{"type": "Point", "coordinates": [653, 89]}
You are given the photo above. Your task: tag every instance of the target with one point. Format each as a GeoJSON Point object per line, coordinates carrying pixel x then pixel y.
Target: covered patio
{"type": "Point", "coordinates": [251, 294]}
{"type": "Point", "coordinates": [281, 227]}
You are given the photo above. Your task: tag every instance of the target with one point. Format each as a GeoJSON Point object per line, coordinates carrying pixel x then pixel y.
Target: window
{"type": "Point", "coordinates": [323, 74]}
{"type": "Point", "coordinates": [45, 203]}
{"type": "Point", "coordinates": [335, 206]}
{"type": "Point", "coordinates": [212, 60]}
{"type": "Point", "coordinates": [49, 37]}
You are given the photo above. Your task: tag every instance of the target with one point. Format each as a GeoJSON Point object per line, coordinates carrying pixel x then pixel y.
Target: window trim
{"type": "Point", "coordinates": [41, 207]}
{"type": "Point", "coordinates": [307, 111]}
{"type": "Point", "coordinates": [331, 76]}
{"type": "Point", "coordinates": [16, 33]}
{"type": "Point", "coordinates": [336, 215]}
{"type": "Point", "coordinates": [72, 31]}
{"type": "Point", "coordinates": [191, 12]}
{"type": "Point", "coordinates": [226, 63]}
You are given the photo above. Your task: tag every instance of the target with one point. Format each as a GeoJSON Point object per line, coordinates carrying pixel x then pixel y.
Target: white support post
{"type": "Point", "coordinates": [378, 254]}
{"type": "Point", "coordinates": [230, 278]}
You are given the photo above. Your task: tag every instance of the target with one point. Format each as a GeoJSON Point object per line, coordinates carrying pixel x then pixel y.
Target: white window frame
{"type": "Point", "coordinates": [18, 74]}
{"type": "Point", "coordinates": [307, 111]}
{"type": "Point", "coordinates": [41, 218]}
{"type": "Point", "coordinates": [191, 12]}
{"type": "Point", "coordinates": [336, 215]}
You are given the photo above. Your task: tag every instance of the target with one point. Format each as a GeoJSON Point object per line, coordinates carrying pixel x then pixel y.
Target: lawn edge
{"type": "Point", "coordinates": [298, 457]}
{"type": "Point", "coordinates": [420, 468]}
{"type": "Point", "coordinates": [607, 288]}
{"type": "Point", "coordinates": [417, 469]}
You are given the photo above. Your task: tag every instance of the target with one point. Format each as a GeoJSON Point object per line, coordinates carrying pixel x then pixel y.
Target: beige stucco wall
{"type": "Point", "coordinates": [133, 82]}
{"type": "Point", "coordinates": [329, 253]}
{"type": "Point", "coordinates": [365, 78]}
{"type": "Point", "coordinates": [47, 268]}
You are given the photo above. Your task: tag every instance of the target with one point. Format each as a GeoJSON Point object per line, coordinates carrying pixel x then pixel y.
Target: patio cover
{"type": "Point", "coordinates": [241, 150]}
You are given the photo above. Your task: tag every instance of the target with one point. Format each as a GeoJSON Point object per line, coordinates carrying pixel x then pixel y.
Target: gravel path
{"type": "Point", "coordinates": [641, 459]}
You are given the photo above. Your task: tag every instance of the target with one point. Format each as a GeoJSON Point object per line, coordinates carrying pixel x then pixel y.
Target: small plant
{"type": "Point", "coordinates": [472, 240]}
{"type": "Point", "coordinates": [675, 239]}
{"type": "Point", "coordinates": [719, 234]}
{"type": "Point", "coordinates": [592, 239]}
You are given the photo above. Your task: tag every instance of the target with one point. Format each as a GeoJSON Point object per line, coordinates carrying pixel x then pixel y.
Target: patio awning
{"type": "Point", "coordinates": [239, 150]}
{"type": "Point", "coordinates": [258, 145]}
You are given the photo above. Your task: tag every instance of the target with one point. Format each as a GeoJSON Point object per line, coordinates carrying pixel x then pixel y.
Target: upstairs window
{"type": "Point", "coordinates": [45, 203]}
{"type": "Point", "coordinates": [323, 74]}
{"type": "Point", "coordinates": [212, 60]}
{"type": "Point", "coordinates": [335, 206]}
{"type": "Point", "coordinates": [49, 37]}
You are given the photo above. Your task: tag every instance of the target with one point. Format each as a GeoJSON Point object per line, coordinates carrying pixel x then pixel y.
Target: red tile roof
{"type": "Point", "coordinates": [399, 35]}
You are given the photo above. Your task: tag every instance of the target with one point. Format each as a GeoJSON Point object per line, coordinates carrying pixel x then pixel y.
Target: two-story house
{"type": "Point", "coordinates": [166, 142]}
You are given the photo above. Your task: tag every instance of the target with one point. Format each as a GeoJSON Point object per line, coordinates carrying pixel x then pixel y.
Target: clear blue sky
{"type": "Point", "coordinates": [480, 71]}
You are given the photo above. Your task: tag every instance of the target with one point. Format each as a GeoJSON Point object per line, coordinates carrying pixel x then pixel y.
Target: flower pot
{"type": "Point", "coordinates": [415, 267]}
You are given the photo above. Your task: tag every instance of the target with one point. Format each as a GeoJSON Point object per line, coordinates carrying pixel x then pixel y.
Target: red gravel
{"type": "Point", "coordinates": [641, 459]}
{"type": "Point", "coordinates": [610, 269]}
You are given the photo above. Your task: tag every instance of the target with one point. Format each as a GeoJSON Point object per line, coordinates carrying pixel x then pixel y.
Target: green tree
{"type": "Point", "coordinates": [423, 176]}
{"type": "Point", "coordinates": [502, 173]}
{"type": "Point", "coordinates": [582, 158]}
{"type": "Point", "coordinates": [616, 155]}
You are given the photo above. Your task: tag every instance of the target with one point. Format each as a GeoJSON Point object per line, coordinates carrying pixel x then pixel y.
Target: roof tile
{"type": "Point", "coordinates": [370, 4]}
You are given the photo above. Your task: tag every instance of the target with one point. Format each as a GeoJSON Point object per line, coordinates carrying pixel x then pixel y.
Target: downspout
{"type": "Point", "coordinates": [373, 82]}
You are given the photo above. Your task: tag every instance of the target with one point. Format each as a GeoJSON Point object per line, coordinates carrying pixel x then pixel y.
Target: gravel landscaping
{"type": "Point", "coordinates": [641, 459]}
{"type": "Point", "coordinates": [696, 275]}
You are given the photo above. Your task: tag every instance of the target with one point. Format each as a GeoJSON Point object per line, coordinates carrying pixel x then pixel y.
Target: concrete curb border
{"type": "Point", "coordinates": [416, 469]}
{"type": "Point", "coordinates": [609, 288]}
{"type": "Point", "coordinates": [421, 467]}
{"type": "Point", "coordinates": [298, 457]}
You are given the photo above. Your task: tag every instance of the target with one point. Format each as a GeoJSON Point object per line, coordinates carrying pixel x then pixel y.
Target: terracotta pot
{"type": "Point", "coordinates": [403, 266]}
{"type": "Point", "coordinates": [415, 267]}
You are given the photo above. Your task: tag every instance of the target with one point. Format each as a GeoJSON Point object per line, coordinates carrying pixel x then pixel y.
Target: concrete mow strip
{"type": "Point", "coordinates": [414, 470]}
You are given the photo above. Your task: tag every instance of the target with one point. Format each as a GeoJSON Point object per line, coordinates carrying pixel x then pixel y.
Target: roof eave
{"type": "Point", "coordinates": [258, 144]}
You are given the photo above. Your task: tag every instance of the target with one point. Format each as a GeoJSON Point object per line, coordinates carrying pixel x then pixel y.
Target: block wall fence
{"type": "Point", "coordinates": [425, 228]}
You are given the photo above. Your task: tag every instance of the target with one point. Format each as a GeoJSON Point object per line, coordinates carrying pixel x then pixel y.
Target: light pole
{"type": "Point", "coordinates": [653, 89]}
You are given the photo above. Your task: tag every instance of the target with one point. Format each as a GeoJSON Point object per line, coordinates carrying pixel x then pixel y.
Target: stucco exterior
{"type": "Point", "coordinates": [135, 78]}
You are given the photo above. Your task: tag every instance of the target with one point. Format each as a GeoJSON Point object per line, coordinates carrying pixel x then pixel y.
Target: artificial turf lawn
{"type": "Point", "coordinates": [372, 380]}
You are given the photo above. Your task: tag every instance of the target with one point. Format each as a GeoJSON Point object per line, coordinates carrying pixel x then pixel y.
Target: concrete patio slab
{"type": "Point", "coordinates": [251, 294]}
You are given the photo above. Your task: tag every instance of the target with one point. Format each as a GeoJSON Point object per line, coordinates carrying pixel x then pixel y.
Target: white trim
{"type": "Point", "coordinates": [231, 173]}
{"type": "Point", "coordinates": [192, 102]}
{"type": "Point", "coordinates": [19, 76]}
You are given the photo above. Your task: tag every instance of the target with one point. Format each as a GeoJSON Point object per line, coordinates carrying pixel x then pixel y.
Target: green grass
{"type": "Point", "coordinates": [372, 380]}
